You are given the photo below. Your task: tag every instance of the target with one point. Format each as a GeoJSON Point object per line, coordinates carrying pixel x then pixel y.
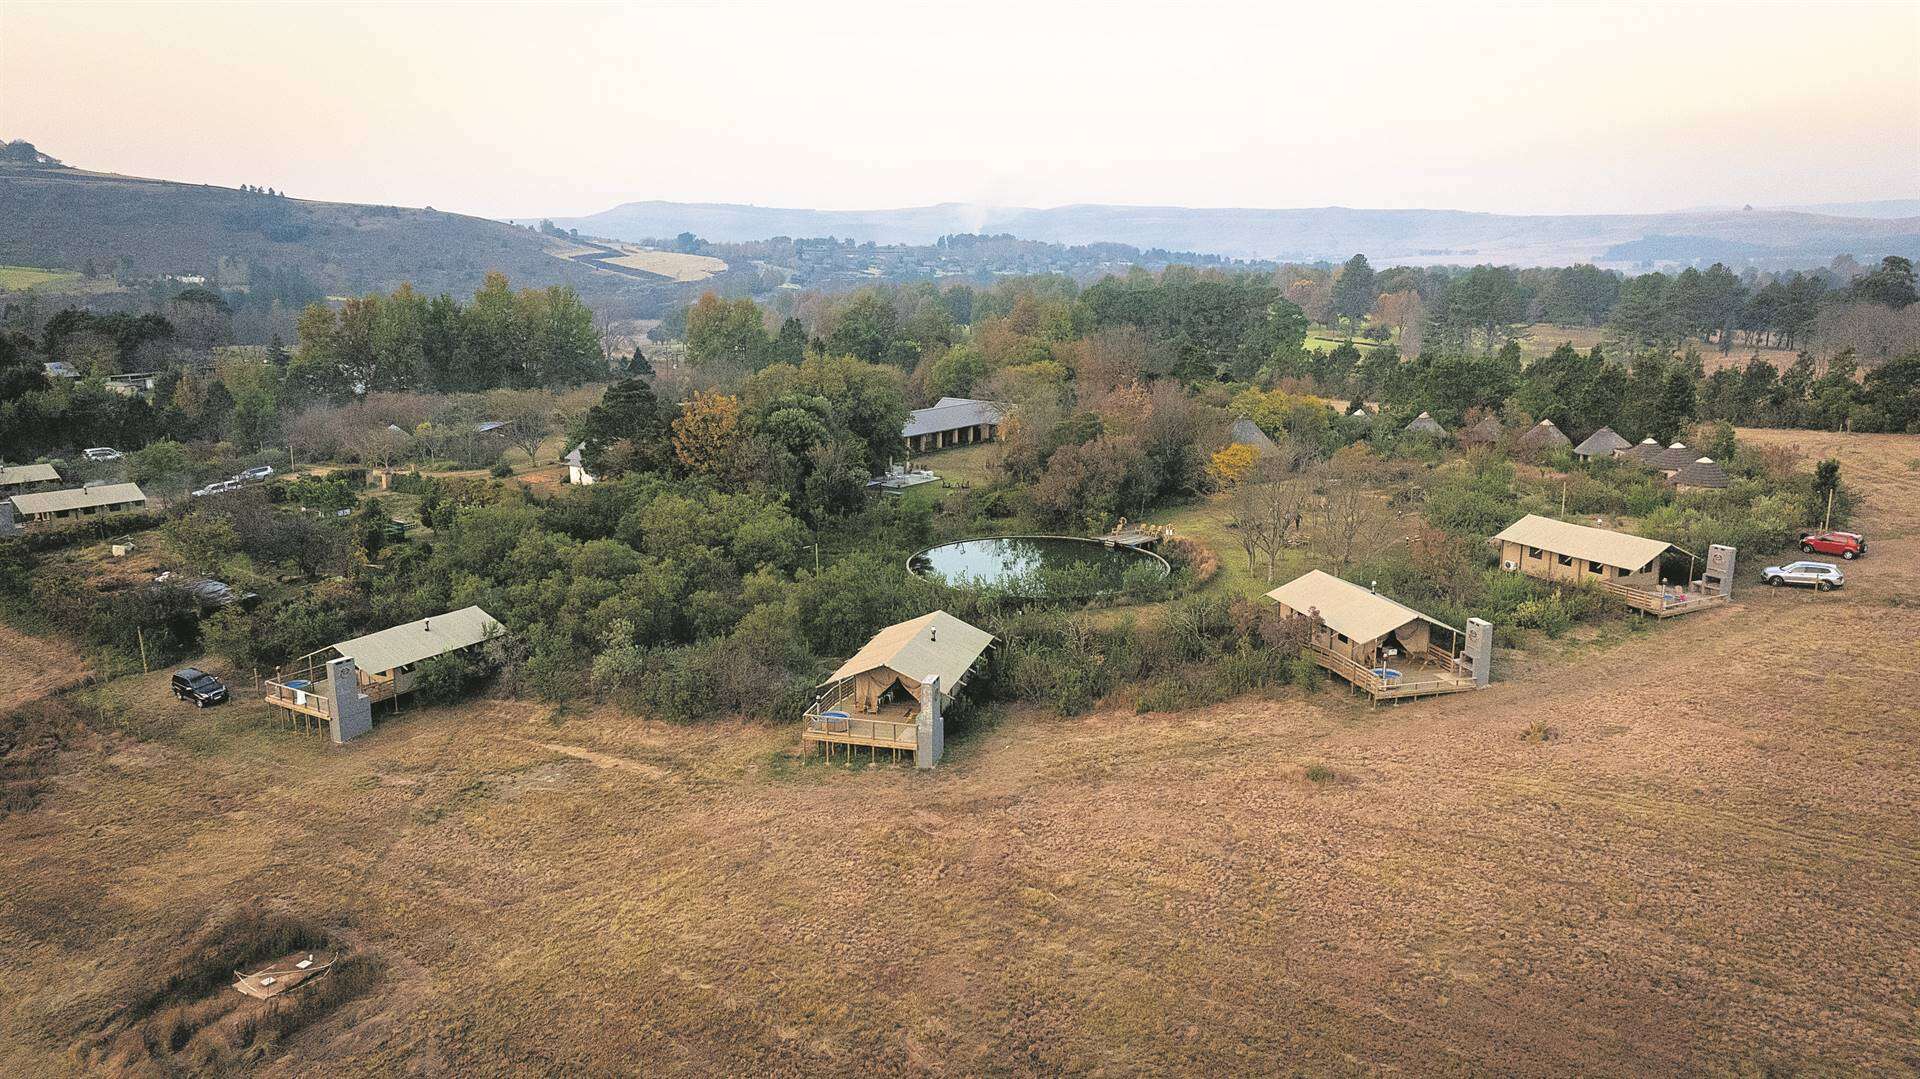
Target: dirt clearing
{"type": "Point", "coordinates": [1712, 864]}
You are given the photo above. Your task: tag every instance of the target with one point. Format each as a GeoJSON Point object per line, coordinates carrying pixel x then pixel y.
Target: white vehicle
{"type": "Point", "coordinates": [258, 472]}
{"type": "Point", "coordinates": [102, 453]}
{"type": "Point", "coordinates": [1821, 575]}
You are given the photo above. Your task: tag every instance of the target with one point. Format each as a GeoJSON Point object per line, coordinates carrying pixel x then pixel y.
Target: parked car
{"type": "Point", "coordinates": [1821, 575]}
{"type": "Point", "coordinates": [192, 684]}
{"type": "Point", "coordinates": [257, 472]}
{"type": "Point", "coordinates": [102, 453]}
{"type": "Point", "coordinates": [1848, 545]}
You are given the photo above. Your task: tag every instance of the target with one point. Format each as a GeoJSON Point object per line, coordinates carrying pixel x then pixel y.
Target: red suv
{"type": "Point", "coordinates": [1844, 544]}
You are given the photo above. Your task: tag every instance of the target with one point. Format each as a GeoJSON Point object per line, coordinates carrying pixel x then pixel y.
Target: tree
{"type": "Point", "coordinates": [1486, 299]}
{"type": "Point", "coordinates": [157, 461]}
{"type": "Point", "coordinates": [1352, 522]}
{"type": "Point", "coordinates": [726, 333]}
{"type": "Point", "coordinates": [628, 419]}
{"type": "Point", "coordinates": [1354, 291]}
{"type": "Point", "coordinates": [1892, 285]}
{"type": "Point", "coordinates": [1266, 509]}
{"type": "Point", "coordinates": [707, 437]}
{"type": "Point", "coordinates": [1232, 464]}
{"type": "Point", "coordinates": [528, 415]}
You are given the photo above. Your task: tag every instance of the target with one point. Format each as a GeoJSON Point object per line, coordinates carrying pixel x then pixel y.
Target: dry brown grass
{"type": "Point", "coordinates": [673, 264]}
{"type": "Point", "coordinates": [1543, 337]}
{"type": "Point", "coordinates": [1714, 866]}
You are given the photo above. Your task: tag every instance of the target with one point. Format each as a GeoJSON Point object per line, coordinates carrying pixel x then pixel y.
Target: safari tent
{"type": "Point", "coordinates": [1623, 565]}
{"type": "Point", "coordinates": [1379, 645]}
{"type": "Point", "coordinates": [339, 684]}
{"type": "Point", "coordinates": [78, 502]}
{"type": "Point", "coordinates": [17, 477]}
{"type": "Point", "coordinates": [892, 692]}
{"type": "Point", "coordinates": [952, 421]}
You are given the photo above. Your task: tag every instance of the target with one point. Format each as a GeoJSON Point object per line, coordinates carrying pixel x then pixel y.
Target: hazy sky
{"type": "Point", "coordinates": [568, 109]}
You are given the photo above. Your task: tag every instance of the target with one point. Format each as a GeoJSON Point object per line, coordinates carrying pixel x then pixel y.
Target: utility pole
{"type": "Point", "coordinates": [1829, 523]}
{"type": "Point", "coordinates": [142, 634]}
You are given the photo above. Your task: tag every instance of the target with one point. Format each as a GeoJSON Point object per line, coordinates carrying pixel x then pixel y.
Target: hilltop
{"type": "Point", "coordinates": [1766, 238]}
{"type": "Point", "coordinates": [136, 228]}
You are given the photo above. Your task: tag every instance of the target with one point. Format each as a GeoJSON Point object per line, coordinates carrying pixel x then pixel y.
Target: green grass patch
{"type": "Point", "coordinates": [22, 277]}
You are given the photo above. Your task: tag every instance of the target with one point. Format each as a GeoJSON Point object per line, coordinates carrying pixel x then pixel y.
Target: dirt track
{"type": "Point", "coordinates": [1714, 866]}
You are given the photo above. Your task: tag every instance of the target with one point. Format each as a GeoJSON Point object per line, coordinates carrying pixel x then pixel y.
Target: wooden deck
{"type": "Point", "coordinates": [305, 701]}
{"type": "Point", "coordinates": [1666, 603]}
{"type": "Point", "coordinates": [833, 721]}
{"type": "Point", "coordinates": [1426, 676]}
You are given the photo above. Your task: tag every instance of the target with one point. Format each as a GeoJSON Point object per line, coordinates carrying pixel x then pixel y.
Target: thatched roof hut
{"type": "Point", "coordinates": [1701, 473]}
{"type": "Point", "coordinates": [1645, 453]}
{"type": "Point", "coordinates": [1485, 433]}
{"type": "Point", "coordinates": [1542, 436]}
{"type": "Point", "coordinates": [1425, 424]}
{"type": "Point", "coordinates": [1606, 442]}
{"type": "Point", "coordinates": [1674, 458]}
{"type": "Point", "coordinates": [1247, 433]}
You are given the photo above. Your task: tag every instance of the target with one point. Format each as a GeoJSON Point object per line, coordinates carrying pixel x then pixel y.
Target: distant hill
{"type": "Point", "coordinates": [59, 217]}
{"type": "Point", "coordinates": [1421, 237]}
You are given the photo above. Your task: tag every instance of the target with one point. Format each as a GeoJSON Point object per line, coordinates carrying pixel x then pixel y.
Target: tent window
{"type": "Point", "coordinates": [1535, 552]}
{"type": "Point", "coordinates": [1597, 568]}
{"type": "Point", "coordinates": [1565, 559]}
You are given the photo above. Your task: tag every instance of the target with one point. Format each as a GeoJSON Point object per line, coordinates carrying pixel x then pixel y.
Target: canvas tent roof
{"type": "Point", "coordinates": [1426, 425]}
{"type": "Point", "coordinates": [423, 639]}
{"type": "Point", "coordinates": [936, 644]}
{"type": "Point", "coordinates": [1603, 443]}
{"type": "Point", "coordinates": [78, 498]}
{"type": "Point", "coordinates": [1486, 432]}
{"type": "Point", "coordinates": [14, 475]}
{"type": "Point", "coordinates": [1676, 456]}
{"type": "Point", "coordinates": [1247, 433]}
{"type": "Point", "coordinates": [1704, 472]}
{"type": "Point", "coordinates": [1541, 436]}
{"type": "Point", "coordinates": [950, 414]}
{"type": "Point", "coordinates": [1593, 544]}
{"type": "Point", "coordinates": [573, 455]}
{"type": "Point", "coordinates": [1360, 613]}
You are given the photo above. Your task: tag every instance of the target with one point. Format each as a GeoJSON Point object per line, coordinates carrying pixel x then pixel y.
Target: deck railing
{"type": "Point", "coordinates": [1663, 602]}
{"type": "Point", "coordinates": [1363, 677]}
{"type": "Point", "coordinates": [856, 727]}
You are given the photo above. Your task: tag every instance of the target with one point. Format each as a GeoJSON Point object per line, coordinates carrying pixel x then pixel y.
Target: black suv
{"type": "Point", "coordinates": [199, 687]}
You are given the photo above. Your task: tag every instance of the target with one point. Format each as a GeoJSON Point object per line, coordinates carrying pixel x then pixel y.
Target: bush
{"type": "Point", "coordinates": [500, 470]}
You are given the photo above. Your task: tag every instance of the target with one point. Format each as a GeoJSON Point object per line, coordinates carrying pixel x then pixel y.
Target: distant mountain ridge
{"type": "Point", "coordinates": [1324, 233]}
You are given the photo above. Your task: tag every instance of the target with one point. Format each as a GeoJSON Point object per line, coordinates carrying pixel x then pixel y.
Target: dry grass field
{"type": "Point", "coordinates": [1710, 864]}
{"type": "Point", "coordinates": [1543, 337]}
{"type": "Point", "coordinates": [673, 264]}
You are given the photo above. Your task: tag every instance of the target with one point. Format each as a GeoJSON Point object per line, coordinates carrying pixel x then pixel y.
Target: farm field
{"type": "Point", "coordinates": [1543, 337]}
{"type": "Point", "coordinates": [1712, 865]}
{"type": "Point", "coordinates": [26, 277]}
{"type": "Point", "coordinates": [674, 264]}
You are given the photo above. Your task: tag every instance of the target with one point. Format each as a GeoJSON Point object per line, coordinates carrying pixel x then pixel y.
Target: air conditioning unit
{"type": "Point", "coordinates": [1509, 564]}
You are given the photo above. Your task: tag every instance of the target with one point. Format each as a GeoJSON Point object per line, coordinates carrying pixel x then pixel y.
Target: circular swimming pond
{"type": "Point", "coordinates": [1040, 567]}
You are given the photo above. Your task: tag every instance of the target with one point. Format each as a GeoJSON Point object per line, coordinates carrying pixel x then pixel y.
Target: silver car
{"type": "Point", "coordinates": [1821, 575]}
